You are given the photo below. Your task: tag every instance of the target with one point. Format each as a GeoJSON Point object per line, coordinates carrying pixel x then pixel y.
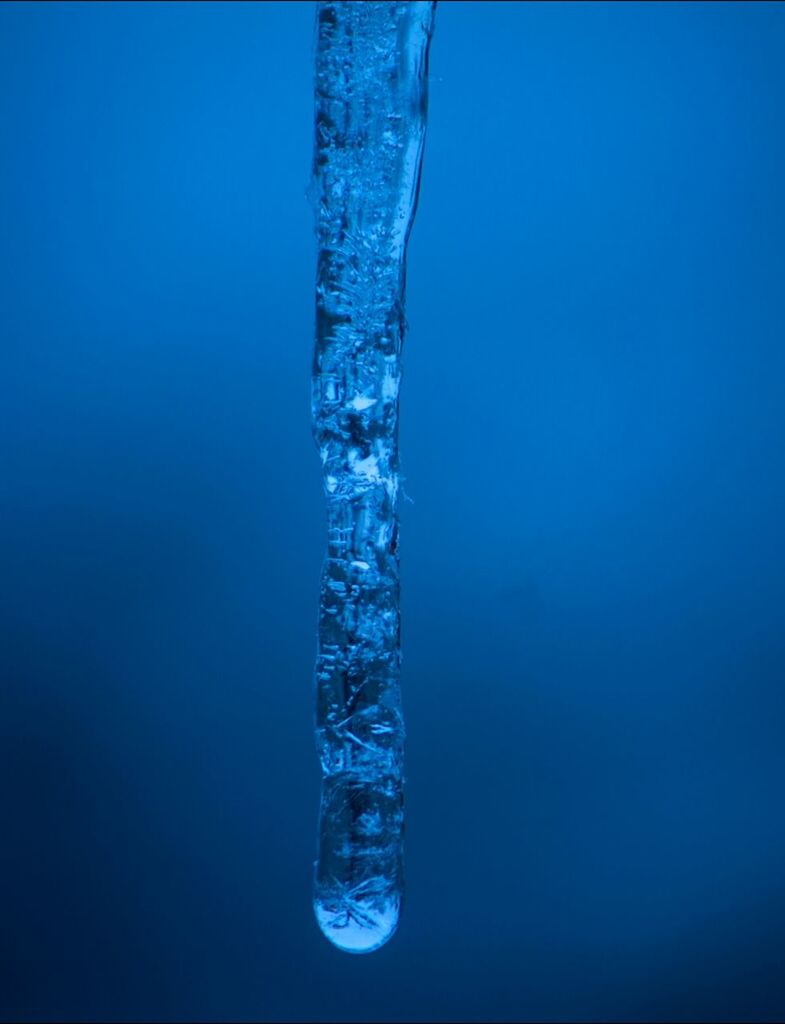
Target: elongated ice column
{"type": "Point", "coordinates": [371, 81]}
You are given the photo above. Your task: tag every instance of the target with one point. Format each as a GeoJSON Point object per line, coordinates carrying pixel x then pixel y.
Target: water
{"type": "Point", "coordinates": [371, 86]}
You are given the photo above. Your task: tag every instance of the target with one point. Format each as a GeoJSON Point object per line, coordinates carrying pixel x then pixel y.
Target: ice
{"type": "Point", "coordinates": [358, 930]}
{"type": "Point", "coordinates": [361, 402]}
{"type": "Point", "coordinates": [371, 87]}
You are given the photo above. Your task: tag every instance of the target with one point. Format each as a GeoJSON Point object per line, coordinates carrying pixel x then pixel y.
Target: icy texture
{"type": "Point", "coordinates": [371, 79]}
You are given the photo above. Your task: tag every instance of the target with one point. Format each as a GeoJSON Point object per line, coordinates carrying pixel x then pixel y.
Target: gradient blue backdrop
{"type": "Point", "coordinates": [593, 436]}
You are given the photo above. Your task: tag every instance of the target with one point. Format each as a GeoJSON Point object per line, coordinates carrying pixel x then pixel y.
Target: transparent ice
{"type": "Point", "coordinates": [371, 90]}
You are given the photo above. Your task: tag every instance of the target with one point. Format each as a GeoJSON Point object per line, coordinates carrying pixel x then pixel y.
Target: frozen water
{"type": "Point", "coordinates": [371, 87]}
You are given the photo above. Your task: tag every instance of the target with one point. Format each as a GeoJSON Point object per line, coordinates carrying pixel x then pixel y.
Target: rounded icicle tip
{"type": "Point", "coordinates": [358, 882]}
{"type": "Point", "coordinates": [358, 926]}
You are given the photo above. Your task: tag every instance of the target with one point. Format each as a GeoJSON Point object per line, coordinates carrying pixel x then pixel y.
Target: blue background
{"type": "Point", "coordinates": [593, 564]}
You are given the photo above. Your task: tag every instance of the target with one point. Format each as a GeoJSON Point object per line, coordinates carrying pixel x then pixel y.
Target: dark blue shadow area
{"type": "Point", "coordinates": [593, 566]}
